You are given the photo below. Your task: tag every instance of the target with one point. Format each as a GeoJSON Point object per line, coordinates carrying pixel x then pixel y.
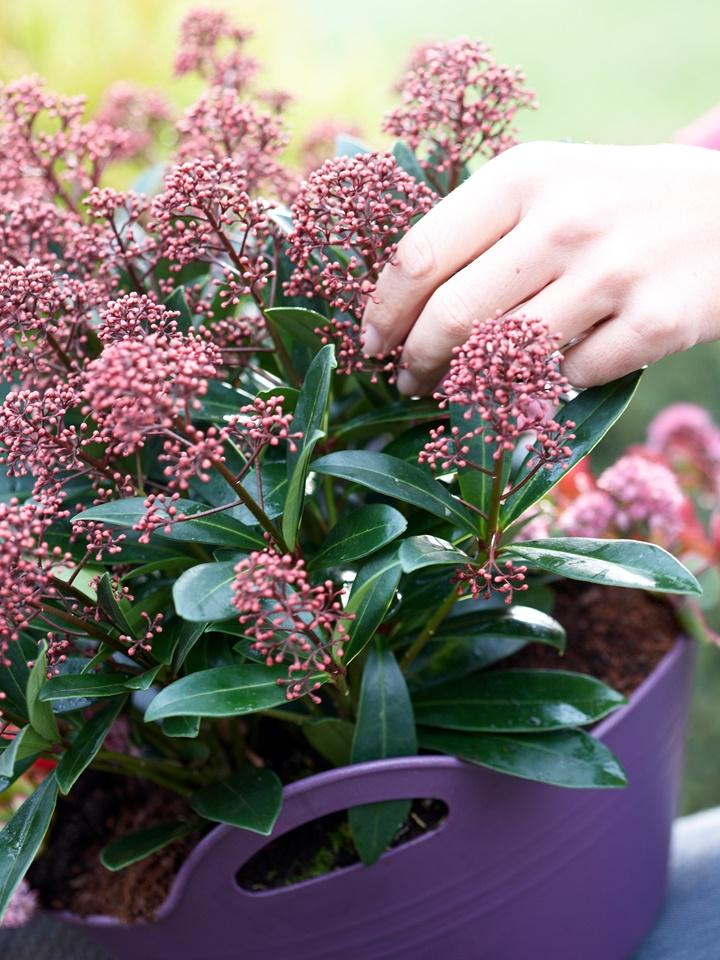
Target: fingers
{"type": "Point", "coordinates": [569, 307]}
{"type": "Point", "coordinates": [513, 270]}
{"type": "Point", "coordinates": [614, 349]}
{"type": "Point", "coordinates": [462, 226]}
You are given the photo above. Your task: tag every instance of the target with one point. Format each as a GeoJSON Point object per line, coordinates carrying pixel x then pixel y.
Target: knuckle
{"type": "Point", "coordinates": [449, 310]}
{"type": "Point", "coordinates": [572, 230]}
{"type": "Point", "coordinates": [415, 255]}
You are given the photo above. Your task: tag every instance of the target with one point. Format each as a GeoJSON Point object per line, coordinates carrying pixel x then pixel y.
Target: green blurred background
{"type": "Point", "coordinates": [612, 72]}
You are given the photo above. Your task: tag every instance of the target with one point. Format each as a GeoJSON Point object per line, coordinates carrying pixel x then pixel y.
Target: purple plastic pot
{"type": "Point", "coordinates": [519, 870]}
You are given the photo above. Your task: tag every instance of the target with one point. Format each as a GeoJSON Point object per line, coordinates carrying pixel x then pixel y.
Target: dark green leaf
{"type": "Point", "coordinates": [136, 846]}
{"type": "Point", "coordinates": [39, 712]}
{"type": "Point", "coordinates": [410, 163]}
{"type": "Point", "coordinates": [86, 744]}
{"type": "Point", "coordinates": [204, 592]}
{"type": "Point", "coordinates": [143, 681]}
{"type": "Point", "coordinates": [299, 324]}
{"type": "Point", "coordinates": [220, 692]}
{"type": "Point", "coordinates": [473, 641]}
{"type": "Point", "coordinates": [476, 485]}
{"type": "Point", "coordinates": [309, 418]}
{"type": "Point", "coordinates": [359, 534]}
{"type": "Point", "coordinates": [110, 606]}
{"type": "Point", "coordinates": [409, 411]}
{"type": "Point", "coordinates": [22, 836]}
{"type": "Point", "coordinates": [250, 799]}
{"type": "Point", "coordinates": [91, 685]}
{"type": "Point", "coordinates": [516, 701]}
{"type": "Point", "coordinates": [385, 728]}
{"type": "Point", "coordinates": [332, 738]}
{"type": "Point", "coordinates": [419, 552]}
{"type": "Point", "coordinates": [593, 411]}
{"type": "Point", "coordinates": [372, 593]}
{"type": "Point", "coordinates": [181, 727]}
{"type": "Point", "coordinates": [565, 758]}
{"type": "Point", "coordinates": [219, 529]}
{"type": "Point", "coordinates": [396, 479]}
{"type": "Point", "coordinates": [189, 635]}
{"type": "Point", "coordinates": [221, 401]}
{"type": "Point", "coordinates": [26, 743]}
{"type": "Point", "coordinates": [619, 563]}
{"type": "Point", "coordinates": [14, 676]}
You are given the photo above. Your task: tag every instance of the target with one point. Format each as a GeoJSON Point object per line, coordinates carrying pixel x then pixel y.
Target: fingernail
{"type": "Point", "coordinates": [407, 383]}
{"type": "Point", "coordinates": [372, 341]}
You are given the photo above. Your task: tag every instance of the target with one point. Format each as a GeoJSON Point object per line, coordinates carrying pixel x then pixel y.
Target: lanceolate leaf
{"type": "Point", "coordinates": [419, 552]}
{"type": "Point", "coordinates": [396, 479]}
{"type": "Point", "coordinates": [594, 411]}
{"type": "Point", "coordinates": [390, 418]}
{"type": "Point", "coordinates": [219, 529]}
{"type": "Point", "coordinates": [39, 712]}
{"type": "Point", "coordinates": [516, 701]}
{"type": "Point", "coordinates": [14, 676]}
{"type": "Point", "coordinates": [79, 685]}
{"type": "Point", "coordinates": [370, 598]}
{"type": "Point", "coordinates": [565, 758]}
{"type": "Point", "coordinates": [332, 738]}
{"type": "Point", "coordinates": [619, 563]}
{"type": "Point", "coordinates": [110, 606]}
{"type": "Point", "coordinates": [250, 799]}
{"type": "Point", "coordinates": [476, 485]}
{"type": "Point", "coordinates": [299, 324]}
{"type": "Point", "coordinates": [136, 846]}
{"type": "Point", "coordinates": [189, 635]}
{"type": "Point", "coordinates": [385, 728]}
{"type": "Point", "coordinates": [359, 534]}
{"type": "Point", "coordinates": [308, 419]}
{"type": "Point", "coordinates": [86, 744]}
{"type": "Point", "coordinates": [26, 743]}
{"type": "Point", "coordinates": [204, 592]}
{"type": "Point", "coordinates": [220, 692]}
{"type": "Point", "coordinates": [22, 836]}
{"type": "Point", "coordinates": [473, 641]}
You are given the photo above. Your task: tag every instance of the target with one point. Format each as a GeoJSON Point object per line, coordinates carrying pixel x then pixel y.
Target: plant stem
{"type": "Point", "coordinates": [429, 630]}
{"type": "Point", "coordinates": [262, 518]}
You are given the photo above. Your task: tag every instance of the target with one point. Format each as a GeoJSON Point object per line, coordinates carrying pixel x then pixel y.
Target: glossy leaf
{"type": "Point", "coordinates": [309, 418]}
{"type": "Point", "coordinates": [476, 485]}
{"type": "Point", "coordinates": [390, 417]}
{"type": "Point", "coordinates": [81, 685]}
{"type": "Point", "coordinates": [204, 592]}
{"type": "Point", "coordinates": [136, 846]}
{"type": "Point", "coordinates": [22, 836]}
{"type": "Point", "coordinates": [250, 799]}
{"type": "Point", "coordinates": [419, 552]}
{"type": "Point", "coordinates": [299, 324]}
{"type": "Point", "coordinates": [189, 635]}
{"type": "Point", "coordinates": [86, 745]}
{"type": "Point", "coordinates": [144, 680]}
{"type": "Point", "coordinates": [110, 606]}
{"type": "Point", "coordinates": [221, 401]}
{"type": "Point", "coordinates": [370, 597]}
{"type": "Point", "coordinates": [473, 641]}
{"type": "Point", "coordinates": [385, 728]}
{"type": "Point", "coordinates": [219, 529]}
{"type": "Point", "coordinates": [619, 563]}
{"type": "Point", "coordinates": [39, 711]}
{"type": "Point", "coordinates": [359, 534]}
{"type": "Point", "coordinates": [516, 701]}
{"type": "Point", "coordinates": [396, 479]}
{"type": "Point", "coordinates": [14, 675]}
{"type": "Point", "coordinates": [220, 692]}
{"type": "Point", "coordinates": [410, 163]}
{"type": "Point", "coordinates": [181, 727]}
{"type": "Point", "coordinates": [332, 738]}
{"type": "Point", "coordinates": [27, 742]}
{"type": "Point", "coordinates": [594, 412]}
{"type": "Point", "coordinates": [565, 758]}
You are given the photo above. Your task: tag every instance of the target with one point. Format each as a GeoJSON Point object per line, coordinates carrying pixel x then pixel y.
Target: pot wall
{"type": "Point", "coordinates": [518, 871]}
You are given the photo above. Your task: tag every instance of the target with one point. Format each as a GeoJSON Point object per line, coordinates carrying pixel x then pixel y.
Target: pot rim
{"type": "Point", "coordinates": [360, 770]}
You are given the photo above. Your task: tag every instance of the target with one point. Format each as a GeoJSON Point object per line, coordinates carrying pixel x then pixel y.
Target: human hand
{"type": "Point", "coordinates": [619, 246]}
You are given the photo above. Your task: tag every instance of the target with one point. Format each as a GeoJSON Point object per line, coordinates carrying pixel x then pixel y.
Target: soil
{"type": "Point", "coordinates": [69, 875]}
{"type": "Point", "coordinates": [616, 635]}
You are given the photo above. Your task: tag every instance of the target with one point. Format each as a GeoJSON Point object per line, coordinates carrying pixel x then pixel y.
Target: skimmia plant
{"type": "Point", "coordinates": [214, 505]}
